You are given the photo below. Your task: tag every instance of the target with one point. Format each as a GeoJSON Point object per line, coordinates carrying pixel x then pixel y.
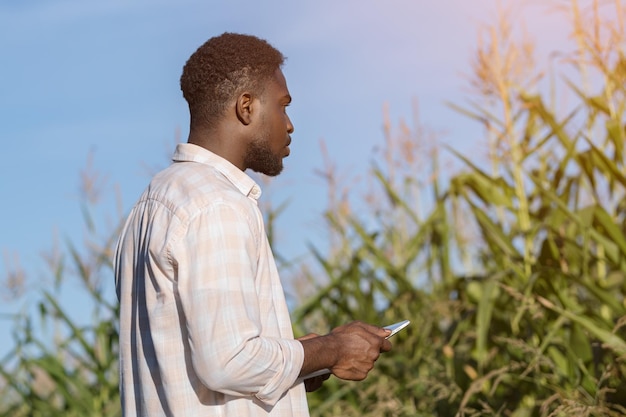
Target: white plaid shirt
{"type": "Point", "coordinates": [204, 327]}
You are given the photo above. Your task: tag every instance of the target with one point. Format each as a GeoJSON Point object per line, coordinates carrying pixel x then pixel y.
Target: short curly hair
{"type": "Point", "coordinates": [222, 68]}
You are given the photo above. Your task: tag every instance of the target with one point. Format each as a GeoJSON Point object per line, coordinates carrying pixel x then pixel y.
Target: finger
{"type": "Point", "coordinates": [377, 330]}
{"type": "Point", "coordinates": [385, 345]}
{"type": "Point", "coordinates": [383, 332]}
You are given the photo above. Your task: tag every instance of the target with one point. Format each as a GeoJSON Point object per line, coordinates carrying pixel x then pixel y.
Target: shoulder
{"type": "Point", "coordinates": [190, 189]}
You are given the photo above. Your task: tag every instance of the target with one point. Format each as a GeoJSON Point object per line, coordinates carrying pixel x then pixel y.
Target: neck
{"type": "Point", "coordinates": [228, 147]}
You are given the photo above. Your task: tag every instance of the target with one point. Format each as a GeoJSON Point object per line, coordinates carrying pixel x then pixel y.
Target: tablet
{"type": "Point", "coordinates": [396, 327]}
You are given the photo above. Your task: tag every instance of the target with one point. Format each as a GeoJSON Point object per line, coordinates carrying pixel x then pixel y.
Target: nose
{"type": "Point", "coordinates": [290, 127]}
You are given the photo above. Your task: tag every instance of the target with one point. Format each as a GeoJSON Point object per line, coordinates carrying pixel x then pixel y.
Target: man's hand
{"type": "Point", "coordinates": [348, 351]}
{"type": "Point", "coordinates": [360, 345]}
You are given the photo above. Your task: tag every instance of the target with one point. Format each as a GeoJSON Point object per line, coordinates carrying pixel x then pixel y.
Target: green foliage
{"type": "Point", "coordinates": [513, 271]}
{"type": "Point", "coordinates": [527, 315]}
{"type": "Point", "coordinates": [73, 371]}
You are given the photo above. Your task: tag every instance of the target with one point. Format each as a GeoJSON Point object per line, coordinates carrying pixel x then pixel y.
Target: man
{"type": "Point", "coordinates": [204, 327]}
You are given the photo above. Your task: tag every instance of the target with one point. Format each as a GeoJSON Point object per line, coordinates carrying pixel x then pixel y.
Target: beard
{"type": "Point", "coordinates": [260, 158]}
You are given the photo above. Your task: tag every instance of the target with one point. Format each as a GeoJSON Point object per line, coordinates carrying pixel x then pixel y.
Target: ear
{"type": "Point", "coordinates": [243, 108]}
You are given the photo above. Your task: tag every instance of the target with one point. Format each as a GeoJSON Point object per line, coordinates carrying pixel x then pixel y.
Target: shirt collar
{"type": "Point", "coordinates": [188, 152]}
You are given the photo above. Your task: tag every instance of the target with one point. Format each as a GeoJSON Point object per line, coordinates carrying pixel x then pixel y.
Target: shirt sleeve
{"type": "Point", "coordinates": [217, 261]}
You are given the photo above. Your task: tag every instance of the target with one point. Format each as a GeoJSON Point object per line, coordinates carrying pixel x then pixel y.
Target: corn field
{"type": "Point", "coordinates": [511, 265]}
{"type": "Point", "coordinates": [514, 276]}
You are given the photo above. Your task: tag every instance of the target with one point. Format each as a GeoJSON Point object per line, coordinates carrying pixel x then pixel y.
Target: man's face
{"type": "Point", "coordinates": [266, 151]}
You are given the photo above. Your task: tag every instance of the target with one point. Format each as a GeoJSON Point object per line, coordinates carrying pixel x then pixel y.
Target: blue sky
{"type": "Point", "coordinates": [101, 78]}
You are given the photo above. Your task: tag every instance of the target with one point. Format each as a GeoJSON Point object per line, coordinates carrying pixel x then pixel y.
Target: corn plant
{"type": "Point", "coordinates": [515, 276]}
{"type": "Point", "coordinates": [61, 364]}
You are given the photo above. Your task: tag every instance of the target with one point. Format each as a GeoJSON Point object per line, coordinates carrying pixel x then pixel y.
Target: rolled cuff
{"type": "Point", "coordinates": [283, 380]}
